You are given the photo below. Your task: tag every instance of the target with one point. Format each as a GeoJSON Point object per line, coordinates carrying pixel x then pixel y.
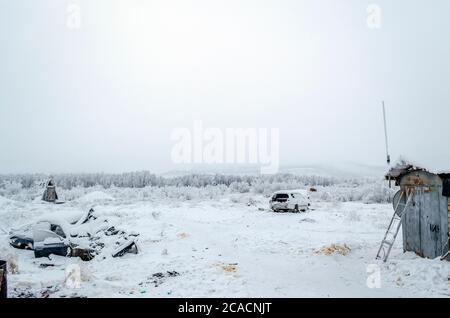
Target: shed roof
{"type": "Point", "coordinates": [403, 167]}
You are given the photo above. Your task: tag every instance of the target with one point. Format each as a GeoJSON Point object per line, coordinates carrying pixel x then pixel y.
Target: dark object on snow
{"type": "Point", "coordinates": [21, 242]}
{"type": "Point", "coordinates": [50, 192]}
{"type": "Point", "coordinates": [3, 280]}
{"type": "Point", "coordinates": [127, 247]}
{"type": "Point", "coordinates": [446, 188]}
{"type": "Point", "coordinates": [159, 278]}
{"type": "Point", "coordinates": [60, 249]}
{"type": "Point", "coordinates": [65, 250]}
{"type": "Point", "coordinates": [113, 231]}
{"type": "Point", "coordinates": [83, 253]}
{"type": "Point", "coordinates": [174, 273]}
{"type": "Point", "coordinates": [312, 190]}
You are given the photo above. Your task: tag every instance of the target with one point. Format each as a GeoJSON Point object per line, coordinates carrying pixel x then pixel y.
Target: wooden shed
{"type": "Point", "coordinates": [50, 194]}
{"type": "Point", "coordinates": [423, 200]}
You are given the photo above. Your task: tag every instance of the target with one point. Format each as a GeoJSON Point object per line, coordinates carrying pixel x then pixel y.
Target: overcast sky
{"type": "Point", "coordinates": [106, 96]}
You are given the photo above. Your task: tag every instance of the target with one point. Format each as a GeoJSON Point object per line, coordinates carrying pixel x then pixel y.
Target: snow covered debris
{"type": "Point", "coordinates": [84, 238]}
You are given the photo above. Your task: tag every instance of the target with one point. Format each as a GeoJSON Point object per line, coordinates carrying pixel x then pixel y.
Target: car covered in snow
{"type": "Point", "coordinates": [48, 237]}
{"type": "Point", "coordinates": [58, 236]}
{"type": "Point", "coordinates": [290, 200]}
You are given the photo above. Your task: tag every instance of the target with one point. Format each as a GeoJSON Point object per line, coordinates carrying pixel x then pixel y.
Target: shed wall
{"type": "Point", "coordinates": [425, 223]}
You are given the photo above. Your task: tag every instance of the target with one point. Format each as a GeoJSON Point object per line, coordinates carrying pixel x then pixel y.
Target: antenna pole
{"type": "Point", "coordinates": [388, 157]}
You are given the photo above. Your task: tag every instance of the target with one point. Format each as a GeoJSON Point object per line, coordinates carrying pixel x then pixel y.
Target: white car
{"type": "Point", "coordinates": [290, 200]}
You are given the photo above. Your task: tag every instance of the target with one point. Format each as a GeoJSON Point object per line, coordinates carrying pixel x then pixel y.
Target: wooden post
{"type": "Point", "coordinates": [3, 280]}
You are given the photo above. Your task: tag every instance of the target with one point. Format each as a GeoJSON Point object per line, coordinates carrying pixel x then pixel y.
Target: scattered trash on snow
{"type": "Point", "coordinates": [159, 278]}
{"type": "Point", "coordinates": [334, 249]}
{"type": "Point", "coordinates": [23, 293]}
{"type": "Point", "coordinates": [183, 235]}
{"type": "Point", "coordinates": [229, 268]}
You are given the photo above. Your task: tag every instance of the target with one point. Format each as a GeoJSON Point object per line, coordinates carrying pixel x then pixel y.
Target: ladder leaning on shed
{"type": "Point", "coordinates": [394, 227]}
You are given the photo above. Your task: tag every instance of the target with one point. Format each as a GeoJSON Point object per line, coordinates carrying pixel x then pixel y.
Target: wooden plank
{"type": "Point", "coordinates": [411, 227]}
{"type": "Point", "coordinates": [428, 237]}
{"type": "Point", "coordinates": [444, 222]}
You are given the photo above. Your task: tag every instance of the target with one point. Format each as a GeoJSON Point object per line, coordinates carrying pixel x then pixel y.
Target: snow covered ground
{"type": "Point", "coordinates": [230, 246]}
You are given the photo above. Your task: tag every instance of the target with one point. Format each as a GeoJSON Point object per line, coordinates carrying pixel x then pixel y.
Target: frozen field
{"type": "Point", "coordinates": [226, 247]}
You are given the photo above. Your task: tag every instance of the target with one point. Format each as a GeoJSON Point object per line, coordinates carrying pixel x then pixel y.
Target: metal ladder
{"type": "Point", "coordinates": [394, 226]}
{"type": "Point", "coordinates": [446, 255]}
